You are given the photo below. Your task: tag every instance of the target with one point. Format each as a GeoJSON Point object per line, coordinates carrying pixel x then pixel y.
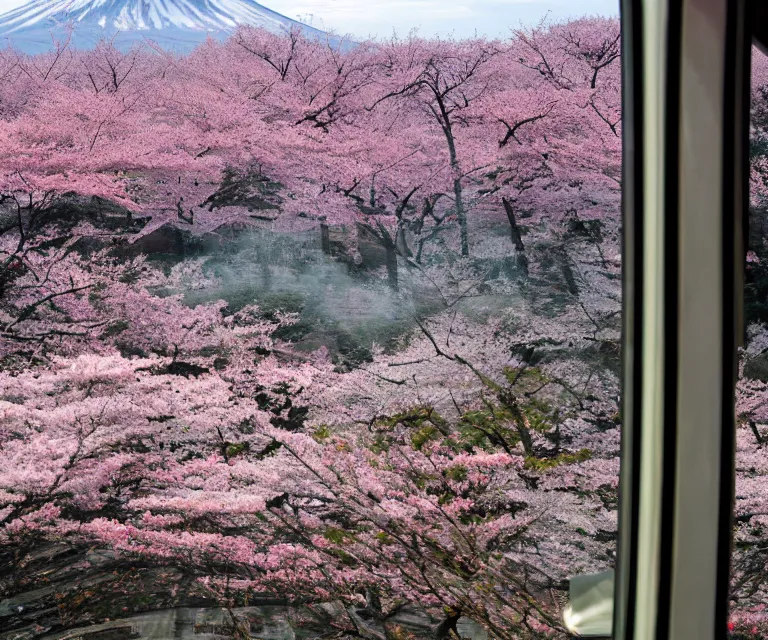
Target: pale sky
{"type": "Point", "coordinates": [460, 18]}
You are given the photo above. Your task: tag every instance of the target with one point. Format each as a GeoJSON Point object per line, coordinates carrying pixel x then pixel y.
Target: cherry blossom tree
{"type": "Point", "coordinates": [441, 81]}
{"type": "Point", "coordinates": [470, 465]}
{"type": "Point", "coordinates": [417, 508]}
{"type": "Point", "coordinates": [430, 474]}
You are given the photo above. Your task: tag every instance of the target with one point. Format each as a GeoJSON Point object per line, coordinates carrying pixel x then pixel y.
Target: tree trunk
{"type": "Point", "coordinates": [420, 244]}
{"type": "Point", "coordinates": [325, 239]}
{"type": "Point", "coordinates": [391, 265]}
{"type": "Point", "coordinates": [522, 425]}
{"type": "Point", "coordinates": [373, 600]}
{"type": "Point", "coordinates": [458, 194]}
{"type": "Point", "coordinates": [461, 215]}
{"type": "Point", "coordinates": [390, 246]}
{"type": "Point", "coordinates": [518, 252]}
{"type": "Point", "coordinates": [443, 630]}
{"type": "Point", "coordinates": [401, 243]}
{"type": "Point", "coordinates": [365, 628]}
{"type": "Point", "coordinates": [568, 275]}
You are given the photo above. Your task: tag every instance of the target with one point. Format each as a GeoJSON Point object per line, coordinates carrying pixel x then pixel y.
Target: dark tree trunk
{"type": "Point", "coordinates": [402, 243]}
{"type": "Point", "coordinates": [517, 239]}
{"type": "Point", "coordinates": [180, 211]}
{"type": "Point", "coordinates": [518, 252]}
{"type": "Point", "coordinates": [390, 247]}
{"type": "Point", "coordinates": [367, 628]}
{"type": "Point", "coordinates": [461, 215]}
{"type": "Point", "coordinates": [443, 630]}
{"type": "Point", "coordinates": [420, 249]}
{"type": "Point", "coordinates": [373, 600]}
{"type": "Point", "coordinates": [568, 275]}
{"type": "Point", "coordinates": [391, 265]}
{"type": "Point", "coordinates": [510, 401]}
{"type": "Point", "coordinates": [325, 239]}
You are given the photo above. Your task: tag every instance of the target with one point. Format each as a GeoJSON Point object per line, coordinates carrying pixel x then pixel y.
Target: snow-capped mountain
{"type": "Point", "coordinates": [177, 24]}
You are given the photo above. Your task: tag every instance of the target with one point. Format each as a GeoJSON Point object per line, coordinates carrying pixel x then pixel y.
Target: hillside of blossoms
{"type": "Point", "coordinates": [334, 328]}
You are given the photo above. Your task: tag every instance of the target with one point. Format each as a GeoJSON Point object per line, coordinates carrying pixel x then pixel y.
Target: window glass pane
{"type": "Point", "coordinates": [749, 588]}
{"type": "Point", "coordinates": [309, 334]}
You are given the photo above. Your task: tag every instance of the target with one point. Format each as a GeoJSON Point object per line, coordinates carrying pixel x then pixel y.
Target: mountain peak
{"type": "Point", "coordinates": [178, 24]}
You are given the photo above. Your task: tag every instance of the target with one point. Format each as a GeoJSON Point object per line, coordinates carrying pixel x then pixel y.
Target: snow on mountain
{"type": "Point", "coordinates": [177, 24]}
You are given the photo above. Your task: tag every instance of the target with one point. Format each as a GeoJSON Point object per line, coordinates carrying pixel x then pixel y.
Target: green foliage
{"type": "Point", "coordinates": [321, 433]}
{"type": "Point", "coordinates": [445, 498]}
{"type": "Point", "coordinates": [457, 473]}
{"type": "Point", "coordinates": [448, 559]}
{"type": "Point", "coordinates": [423, 421]}
{"type": "Point", "coordinates": [758, 148]}
{"type": "Point", "coordinates": [539, 414]}
{"type": "Point", "coordinates": [516, 376]}
{"type": "Point", "coordinates": [471, 518]}
{"type": "Point", "coordinates": [338, 536]}
{"type": "Point", "coordinates": [342, 555]}
{"type": "Point", "coordinates": [236, 448]}
{"type": "Point", "coordinates": [273, 446]}
{"type": "Point", "coordinates": [380, 443]}
{"type": "Point", "coordinates": [414, 417]}
{"type": "Point", "coordinates": [487, 427]}
{"type": "Point", "coordinates": [424, 435]}
{"type": "Point", "coordinates": [341, 538]}
{"type": "Point", "coordinates": [384, 538]}
{"type": "Point", "coordinates": [543, 464]}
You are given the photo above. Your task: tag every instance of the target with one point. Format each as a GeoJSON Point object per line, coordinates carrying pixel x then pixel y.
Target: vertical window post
{"type": "Point", "coordinates": [685, 167]}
